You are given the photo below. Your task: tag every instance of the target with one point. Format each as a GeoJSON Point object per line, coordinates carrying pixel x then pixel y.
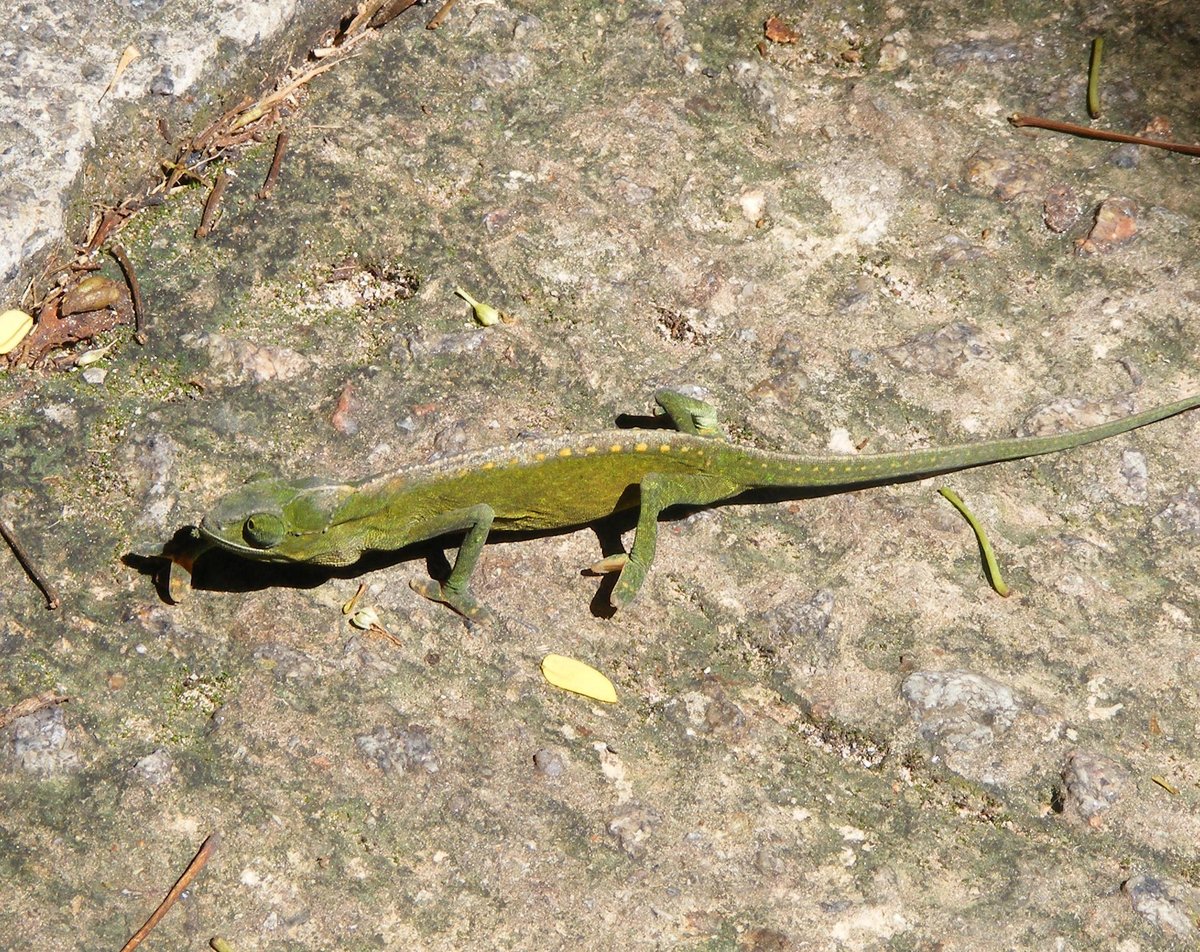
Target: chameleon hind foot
{"type": "Point", "coordinates": [689, 414]}
{"type": "Point", "coordinates": [462, 602]}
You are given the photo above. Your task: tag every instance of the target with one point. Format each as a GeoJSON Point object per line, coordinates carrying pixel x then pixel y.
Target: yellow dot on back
{"type": "Point", "coordinates": [615, 448]}
{"type": "Point", "coordinates": [539, 456]}
{"type": "Point", "coordinates": [565, 451]}
{"type": "Point", "coordinates": [590, 450]}
{"type": "Point", "coordinates": [665, 448]}
{"type": "Point", "coordinates": [489, 465]}
{"type": "Point", "coordinates": [640, 448]}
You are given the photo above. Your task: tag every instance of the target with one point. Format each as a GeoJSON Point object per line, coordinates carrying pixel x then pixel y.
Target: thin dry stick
{"type": "Point", "coordinates": [210, 206]}
{"type": "Point", "coordinates": [31, 705]}
{"type": "Point", "coordinates": [193, 868]}
{"type": "Point", "coordinates": [1086, 132]}
{"type": "Point", "coordinates": [35, 576]}
{"type": "Point", "coordinates": [135, 293]}
{"type": "Point", "coordinates": [388, 12]}
{"type": "Point", "coordinates": [438, 17]}
{"type": "Point", "coordinates": [281, 142]}
{"type": "Point", "coordinates": [258, 110]}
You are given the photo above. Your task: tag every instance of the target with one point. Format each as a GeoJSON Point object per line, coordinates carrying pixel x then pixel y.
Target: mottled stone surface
{"type": "Point", "coordinates": [830, 732]}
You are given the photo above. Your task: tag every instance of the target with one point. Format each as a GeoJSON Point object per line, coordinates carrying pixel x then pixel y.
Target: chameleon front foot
{"type": "Point", "coordinates": [461, 601]}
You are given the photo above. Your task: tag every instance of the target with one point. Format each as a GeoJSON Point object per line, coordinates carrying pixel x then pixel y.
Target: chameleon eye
{"type": "Point", "coordinates": [263, 530]}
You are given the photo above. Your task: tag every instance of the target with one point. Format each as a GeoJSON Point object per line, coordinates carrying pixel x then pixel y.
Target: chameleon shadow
{"type": "Point", "coordinates": [217, 570]}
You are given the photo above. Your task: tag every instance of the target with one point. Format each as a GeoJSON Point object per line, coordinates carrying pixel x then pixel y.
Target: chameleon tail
{"type": "Point", "coordinates": [759, 468]}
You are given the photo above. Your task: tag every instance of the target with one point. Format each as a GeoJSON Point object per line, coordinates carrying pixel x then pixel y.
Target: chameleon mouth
{"type": "Point", "coordinates": [214, 535]}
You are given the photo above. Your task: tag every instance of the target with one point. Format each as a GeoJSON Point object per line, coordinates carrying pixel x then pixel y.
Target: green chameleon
{"type": "Point", "coordinates": [569, 481]}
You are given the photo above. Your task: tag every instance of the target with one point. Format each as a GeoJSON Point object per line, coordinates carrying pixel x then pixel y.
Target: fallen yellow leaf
{"type": "Point", "coordinates": [14, 327]}
{"type": "Point", "coordinates": [575, 676]}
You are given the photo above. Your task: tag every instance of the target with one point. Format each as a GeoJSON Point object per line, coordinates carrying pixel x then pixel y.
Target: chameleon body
{"type": "Point", "coordinates": [566, 482]}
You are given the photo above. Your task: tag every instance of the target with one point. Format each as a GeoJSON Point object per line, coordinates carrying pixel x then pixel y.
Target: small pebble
{"type": "Point", "coordinates": [155, 768]}
{"type": "Point", "coordinates": [41, 744]}
{"type": "Point", "coordinates": [632, 827]}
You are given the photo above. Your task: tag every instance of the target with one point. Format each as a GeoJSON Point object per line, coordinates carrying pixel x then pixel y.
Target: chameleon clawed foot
{"type": "Point", "coordinates": [633, 573]}
{"type": "Point", "coordinates": [462, 602]}
{"type": "Point", "coordinates": [609, 564]}
{"type": "Point", "coordinates": [690, 415]}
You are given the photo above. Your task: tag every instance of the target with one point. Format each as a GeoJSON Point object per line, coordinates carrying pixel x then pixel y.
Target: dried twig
{"type": "Point", "coordinates": [135, 293]}
{"type": "Point", "coordinates": [108, 220]}
{"type": "Point", "coordinates": [193, 868]}
{"type": "Point", "coordinates": [211, 203]}
{"type": "Point", "coordinates": [441, 15]}
{"type": "Point", "coordinates": [52, 601]}
{"type": "Point", "coordinates": [281, 142]}
{"type": "Point", "coordinates": [31, 705]}
{"type": "Point", "coordinates": [389, 11]}
{"type": "Point", "coordinates": [1087, 132]}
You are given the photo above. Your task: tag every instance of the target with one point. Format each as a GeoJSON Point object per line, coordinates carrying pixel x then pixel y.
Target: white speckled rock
{"type": "Point", "coordinates": [56, 60]}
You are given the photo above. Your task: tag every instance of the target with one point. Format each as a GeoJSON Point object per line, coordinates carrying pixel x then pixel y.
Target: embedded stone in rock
{"type": "Point", "coordinates": [1169, 905]}
{"type": "Point", "coordinates": [1116, 224]}
{"type": "Point", "coordinates": [942, 352]}
{"type": "Point", "coordinates": [399, 750]}
{"type": "Point", "coordinates": [1091, 784]}
{"type": "Point", "coordinates": [1060, 208]}
{"type": "Point", "coordinates": [960, 711]}
{"type": "Point", "coordinates": [41, 744]}
{"type": "Point", "coordinates": [1002, 176]}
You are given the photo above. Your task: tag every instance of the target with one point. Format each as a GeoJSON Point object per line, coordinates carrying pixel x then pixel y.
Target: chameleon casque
{"type": "Point", "coordinates": [567, 482]}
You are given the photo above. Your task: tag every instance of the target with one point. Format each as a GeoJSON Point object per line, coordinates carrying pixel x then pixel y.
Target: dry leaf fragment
{"type": "Point", "coordinates": [131, 53]}
{"type": "Point", "coordinates": [575, 676]}
{"type": "Point", "coordinates": [91, 294]}
{"type": "Point", "coordinates": [777, 31]}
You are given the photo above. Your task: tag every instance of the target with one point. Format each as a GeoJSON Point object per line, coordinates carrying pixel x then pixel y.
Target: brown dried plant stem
{"type": "Point", "coordinates": [31, 705]}
{"type": "Point", "coordinates": [436, 20]}
{"type": "Point", "coordinates": [135, 293]}
{"type": "Point", "coordinates": [210, 206]}
{"type": "Point", "coordinates": [52, 600]}
{"type": "Point", "coordinates": [1087, 132]}
{"type": "Point", "coordinates": [193, 868]}
{"type": "Point", "coordinates": [281, 142]}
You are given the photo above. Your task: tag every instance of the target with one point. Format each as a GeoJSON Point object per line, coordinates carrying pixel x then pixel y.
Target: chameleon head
{"type": "Point", "coordinates": [279, 520]}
